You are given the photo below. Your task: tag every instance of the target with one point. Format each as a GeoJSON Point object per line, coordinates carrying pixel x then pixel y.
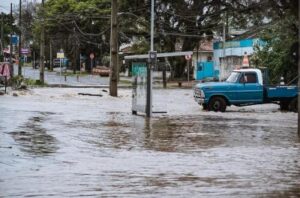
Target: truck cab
{"type": "Point", "coordinates": [242, 87]}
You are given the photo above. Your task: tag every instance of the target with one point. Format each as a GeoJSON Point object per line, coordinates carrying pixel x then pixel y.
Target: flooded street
{"type": "Point", "coordinates": [56, 143]}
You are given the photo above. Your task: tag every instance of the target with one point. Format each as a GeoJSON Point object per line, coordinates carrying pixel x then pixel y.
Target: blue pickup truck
{"type": "Point", "coordinates": [244, 87]}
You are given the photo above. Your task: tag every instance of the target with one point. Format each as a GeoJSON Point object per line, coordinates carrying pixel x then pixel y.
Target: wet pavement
{"type": "Point", "coordinates": [56, 143]}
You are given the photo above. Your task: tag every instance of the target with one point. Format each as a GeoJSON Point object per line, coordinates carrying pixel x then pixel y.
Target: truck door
{"type": "Point", "coordinates": [249, 90]}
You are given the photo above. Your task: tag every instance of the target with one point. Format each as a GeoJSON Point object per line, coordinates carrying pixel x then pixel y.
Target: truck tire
{"type": "Point", "coordinates": [284, 105]}
{"type": "Point", "coordinates": [293, 105]}
{"type": "Point", "coordinates": [217, 104]}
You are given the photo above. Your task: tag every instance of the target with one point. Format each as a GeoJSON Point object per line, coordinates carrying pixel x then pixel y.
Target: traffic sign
{"type": "Point", "coordinates": [188, 57]}
{"type": "Point", "coordinates": [25, 51]}
{"type": "Point", "coordinates": [60, 55]}
{"type": "Point", "coordinates": [92, 55]}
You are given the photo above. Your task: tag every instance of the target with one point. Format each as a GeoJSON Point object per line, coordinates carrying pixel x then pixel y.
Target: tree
{"type": "Point", "coordinates": [77, 27]}
{"type": "Point", "coordinates": [280, 53]}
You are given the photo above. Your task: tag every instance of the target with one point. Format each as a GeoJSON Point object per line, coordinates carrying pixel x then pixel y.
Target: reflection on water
{"type": "Point", "coordinates": [121, 155]}
{"type": "Point", "coordinates": [177, 135]}
{"type": "Point", "coordinates": [33, 138]}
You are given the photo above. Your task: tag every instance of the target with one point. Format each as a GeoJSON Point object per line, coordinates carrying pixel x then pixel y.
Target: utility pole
{"type": "Point", "coordinates": [224, 38]}
{"type": "Point", "coordinates": [113, 86]}
{"type": "Point", "coordinates": [20, 39]}
{"type": "Point", "coordinates": [42, 47]}
{"type": "Point", "coordinates": [10, 40]}
{"type": "Point", "coordinates": [298, 74]}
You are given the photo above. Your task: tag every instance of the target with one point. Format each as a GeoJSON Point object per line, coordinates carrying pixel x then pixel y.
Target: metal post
{"type": "Point", "coordinates": [188, 71]}
{"type": "Point", "coordinates": [5, 83]}
{"type": "Point", "coordinates": [20, 40]}
{"type": "Point", "coordinates": [60, 70]}
{"type": "Point", "coordinates": [152, 25]}
{"type": "Point", "coordinates": [224, 39]}
{"type": "Point", "coordinates": [150, 66]}
{"type": "Point", "coordinates": [148, 97]}
{"type": "Point", "coordinates": [51, 56]}
{"type": "Point", "coordinates": [91, 64]}
{"type": "Point", "coordinates": [33, 60]}
{"type": "Point", "coordinates": [164, 77]}
{"type": "Point", "coordinates": [42, 48]}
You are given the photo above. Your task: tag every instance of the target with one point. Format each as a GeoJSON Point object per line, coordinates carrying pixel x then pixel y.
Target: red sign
{"type": "Point", "coordinates": [92, 55]}
{"type": "Point", "coordinates": [188, 57]}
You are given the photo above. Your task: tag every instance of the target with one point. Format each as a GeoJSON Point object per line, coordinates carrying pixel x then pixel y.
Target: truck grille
{"type": "Point", "coordinates": [198, 93]}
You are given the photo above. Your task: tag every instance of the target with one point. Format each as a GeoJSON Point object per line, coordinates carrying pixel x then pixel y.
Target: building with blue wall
{"type": "Point", "coordinates": [228, 56]}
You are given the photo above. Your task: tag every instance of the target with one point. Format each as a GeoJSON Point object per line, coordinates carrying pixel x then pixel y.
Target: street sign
{"type": "Point", "coordinates": [152, 56]}
{"type": "Point", "coordinates": [25, 51]}
{"type": "Point", "coordinates": [14, 39]}
{"type": "Point", "coordinates": [188, 57]}
{"type": "Point", "coordinates": [60, 55]}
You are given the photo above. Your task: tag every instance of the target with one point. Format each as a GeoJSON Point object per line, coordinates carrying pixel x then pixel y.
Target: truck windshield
{"type": "Point", "coordinates": [233, 77]}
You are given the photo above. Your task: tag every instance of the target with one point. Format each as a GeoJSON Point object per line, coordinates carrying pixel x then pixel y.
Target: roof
{"type": "Point", "coordinates": [205, 45]}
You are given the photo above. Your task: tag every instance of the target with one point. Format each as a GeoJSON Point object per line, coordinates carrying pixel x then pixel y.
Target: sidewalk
{"type": "Point", "coordinates": [54, 79]}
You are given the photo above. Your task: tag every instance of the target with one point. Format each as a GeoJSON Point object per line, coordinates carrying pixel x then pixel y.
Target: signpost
{"type": "Point", "coordinates": [92, 56]}
{"type": "Point", "coordinates": [61, 56]}
{"type": "Point", "coordinates": [188, 58]}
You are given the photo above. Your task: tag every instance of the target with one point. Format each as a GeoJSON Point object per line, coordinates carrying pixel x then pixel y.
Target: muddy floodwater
{"type": "Point", "coordinates": [56, 143]}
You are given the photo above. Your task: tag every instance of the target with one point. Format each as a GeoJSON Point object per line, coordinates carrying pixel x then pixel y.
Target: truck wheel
{"type": "Point", "coordinates": [217, 104]}
{"type": "Point", "coordinates": [293, 106]}
{"type": "Point", "coordinates": [284, 105]}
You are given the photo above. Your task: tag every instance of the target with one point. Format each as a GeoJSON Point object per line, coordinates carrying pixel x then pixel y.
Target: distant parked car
{"type": "Point", "coordinates": [101, 70]}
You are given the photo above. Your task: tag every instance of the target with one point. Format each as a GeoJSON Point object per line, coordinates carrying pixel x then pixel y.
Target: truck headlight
{"type": "Point", "coordinates": [202, 94]}
{"type": "Point", "coordinates": [199, 93]}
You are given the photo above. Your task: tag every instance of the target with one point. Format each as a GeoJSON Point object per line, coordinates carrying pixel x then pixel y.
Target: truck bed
{"type": "Point", "coordinates": [277, 92]}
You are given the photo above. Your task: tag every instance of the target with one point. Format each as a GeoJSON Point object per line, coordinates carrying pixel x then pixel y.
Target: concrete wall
{"type": "Point", "coordinates": [226, 59]}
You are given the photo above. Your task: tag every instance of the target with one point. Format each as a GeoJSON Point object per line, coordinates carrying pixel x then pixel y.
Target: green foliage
{"type": "Point", "coordinates": [141, 47]}
{"type": "Point", "coordinates": [19, 81]}
{"type": "Point", "coordinates": [280, 54]}
{"type": "Point", "coordinates": [84, 26]}
{"type": "Point", "coordinates": [7, 28]}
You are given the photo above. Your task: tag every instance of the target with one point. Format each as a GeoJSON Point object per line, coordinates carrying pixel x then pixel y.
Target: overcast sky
{"type": "Point", "coordinates": [5, 4]}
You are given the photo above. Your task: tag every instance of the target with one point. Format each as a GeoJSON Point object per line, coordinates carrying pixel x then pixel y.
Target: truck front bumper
{"type": "Point", "coordinates": [199, 100]}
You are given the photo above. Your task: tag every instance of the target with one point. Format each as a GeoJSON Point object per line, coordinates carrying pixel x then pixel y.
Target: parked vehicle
{"type": "Point", "coordinates": [101, 70]}
{"type": "Point", "coordinates": [244, 87]}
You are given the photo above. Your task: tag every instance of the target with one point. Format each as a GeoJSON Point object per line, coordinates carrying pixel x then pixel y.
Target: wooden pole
{"type": "Point", "coordinates": [298, 72]}
{"type": "Point", "coordinates": [113, 87]}
{"type": "Point", "coordinates": [20, 39]}
{"type": "Point", "coordinates": [2, 35]}
{"type": "Point", "coordinates": [10, 40]}
{"type": "Point", "coordinates": [42, 47]}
